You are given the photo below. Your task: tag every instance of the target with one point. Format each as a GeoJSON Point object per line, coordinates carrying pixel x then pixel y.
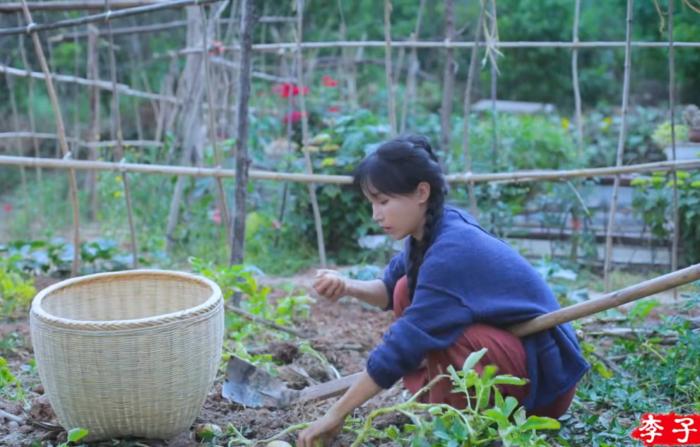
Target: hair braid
{"type": "Point", "coordinates": [418, 248]}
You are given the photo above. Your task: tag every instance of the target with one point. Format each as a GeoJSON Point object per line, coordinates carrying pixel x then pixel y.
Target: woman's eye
{"type": "Point", "coordinates": [383, 202]}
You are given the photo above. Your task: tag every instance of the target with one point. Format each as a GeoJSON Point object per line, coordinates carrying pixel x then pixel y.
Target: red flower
{"type": "Point", "coordinates": [293, 117]}
{"type": "Point", "coordinates": [216, 216]}
{"type": "Point", "coordinates": [328, 81]}
{"type": "Point", "coordinates": [334, 109]}
{"type": "Point", "coordinates": [287, 89]}
{"type": "Point", "coordinates": [6, 207]}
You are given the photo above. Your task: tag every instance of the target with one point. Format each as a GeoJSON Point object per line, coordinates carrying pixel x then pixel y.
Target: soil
{"type": "Point", "coordinates": [344, 332]}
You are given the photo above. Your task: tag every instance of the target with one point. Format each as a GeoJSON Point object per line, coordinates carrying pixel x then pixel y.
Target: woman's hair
{"type": "Point", "coordinates": [396, 168]}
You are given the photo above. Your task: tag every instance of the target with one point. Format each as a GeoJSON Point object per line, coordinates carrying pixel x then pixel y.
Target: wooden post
{"type": "Point", "coordinates": [94, 132]}
{"type": "Point", "coordinates": [468, 109]}
{"type": "Point", "coordinates": [620, 148]}
{"type": "Point", "coordinates": [413, 67]}
{"type": "Point", "coordinates": [448, 78]}
{"type": "Point", "coordinates": [672, 103]}
{"type": "Point", "coordinates": [30, 109]}
{"type": "Point", "coordinates": [391, 104]}
{"type": "Point", "coordinates": [578, 123]}
{"type": "Point", "coordinates": [305, 135]}
{"type": "Point", "coordinates": [242, 159]}
{"type": "Point", "coordinates": [61, 131]}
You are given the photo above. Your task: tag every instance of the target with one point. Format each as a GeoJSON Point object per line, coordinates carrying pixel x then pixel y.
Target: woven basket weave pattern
{"type": "Point", "coordinates": [128, 354]}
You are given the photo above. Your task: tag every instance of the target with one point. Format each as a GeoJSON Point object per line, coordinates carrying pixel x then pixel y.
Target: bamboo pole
{"type": "Point", "coordinates": [413, 67]}
{"type": "Point", "coordinates": [95, 5]}
{"type": "Point", "coordinates": [620, 147]}
{"type": "Point", "coordinates": [103, 17]}
{"type": "Point", "coordinates": [117, 120]}
{"type": "Point", "coordinates": [574, 75]}
{"type": "Point", "coordinates": [102, 85]}
{"type": "Point", "coordinates": [218, 161]}
{"type": "Point", "coordinates": [577, 122]}
{"type": "Point", "coordinates": [60, 130]}
{"type": "Point", "coordinates": [672, 103]}
{"type": "Point", "coordinates": [30, 109]}
{"type": "Point", "coordinates": [391, 107]}
{"type": "Point", "coordinates": [95, 113]}
{"type": "Point", "coordinates": [248, 12]}
{"type": "Point", "coordinates": [290, 46]}
{"type": "Point", "coordinates": [305, 135]}
{"type": "Point", "coordinates": [22, 171]}
{"type": "Point", "coordinates": [78, 142]}
{"type": "Point", "coordinates": [468, 110]}
{"type": "Point", "coordinates": [501, 177]}
{"type": "Point", "coordinates": [448, 78]}
{"type": "Point", "coordinates": [608, 301]}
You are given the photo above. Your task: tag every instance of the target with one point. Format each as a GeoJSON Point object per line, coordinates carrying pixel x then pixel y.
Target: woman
{"type": "Point", "coordinates": [453, 290]}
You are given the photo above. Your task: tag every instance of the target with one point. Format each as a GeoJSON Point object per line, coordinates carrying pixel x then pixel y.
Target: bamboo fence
{"type": "Point", "coordinates": [124, 8]}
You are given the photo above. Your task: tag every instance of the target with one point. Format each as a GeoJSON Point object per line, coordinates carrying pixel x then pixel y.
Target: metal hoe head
{"type": "Point", "coordinates": [252, 387]}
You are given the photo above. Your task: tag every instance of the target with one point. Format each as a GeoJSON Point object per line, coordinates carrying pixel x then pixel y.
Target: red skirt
{"type": "Point", "coordinates": [505, 350]}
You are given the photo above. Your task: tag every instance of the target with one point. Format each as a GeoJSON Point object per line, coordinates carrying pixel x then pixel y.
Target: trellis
{"type": "Point", "coordinates": [486, 26]}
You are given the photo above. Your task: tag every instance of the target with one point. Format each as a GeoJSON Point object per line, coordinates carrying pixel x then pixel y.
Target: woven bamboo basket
{"type": "Point", "coordinates": [130, 353]}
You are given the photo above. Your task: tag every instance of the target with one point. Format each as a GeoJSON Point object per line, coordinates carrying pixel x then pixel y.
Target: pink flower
{"type": "Point", "coordinates": [293, 117]}
{"type": "Point", "coordinates": [287, 89]}
{"type": "Point", "coordinates": [7, 207]}
{"type": "Point", "coordinates": [216, 216]}
{"type": "Point", "coordinates": [328, 81]}
{"type": "Point", "coordinates": [217, 48]}
{"type": "Point", "coordinates": [334, 109]}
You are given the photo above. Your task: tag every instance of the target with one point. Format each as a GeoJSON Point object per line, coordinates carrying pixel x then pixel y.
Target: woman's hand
{"type": "Point", "coordinates": [330, 284]}
{"type": "Point", "coordinates": [322, 431]}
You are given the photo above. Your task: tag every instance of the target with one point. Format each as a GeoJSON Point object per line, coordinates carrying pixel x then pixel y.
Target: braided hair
{"type": "Point", "coordinates": [396, 168]}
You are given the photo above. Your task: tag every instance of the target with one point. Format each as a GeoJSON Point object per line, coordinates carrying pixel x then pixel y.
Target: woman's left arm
{"type": "Point", "coordinates": [328, 426]}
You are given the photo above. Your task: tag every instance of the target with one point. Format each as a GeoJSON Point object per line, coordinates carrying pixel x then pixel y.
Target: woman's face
{"type": "Point", "coordinates": [400, 215]}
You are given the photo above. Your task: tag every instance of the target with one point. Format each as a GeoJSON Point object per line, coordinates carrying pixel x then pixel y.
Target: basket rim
{"type": "Point", "coordinates": [211, 303]}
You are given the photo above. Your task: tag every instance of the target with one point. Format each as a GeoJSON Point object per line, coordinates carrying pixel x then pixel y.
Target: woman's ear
{"type": "Point", "coordinates": [423, 192]}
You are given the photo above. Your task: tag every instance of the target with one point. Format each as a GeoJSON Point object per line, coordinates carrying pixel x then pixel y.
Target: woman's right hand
{"type": "Point", "coordinates": [330, 284]}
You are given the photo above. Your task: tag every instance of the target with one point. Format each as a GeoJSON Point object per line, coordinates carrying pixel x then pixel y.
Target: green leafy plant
{"type": "Point", "coordinates": [10, 386]}
{"type": "Point", "coordinates": [75, 435]}
{"type": "Point", "coordinates": [16, 292]}
{"type": "Point", "coordinates": [487, 417]}
{"type": "Point", "coordinates": [662, 134]}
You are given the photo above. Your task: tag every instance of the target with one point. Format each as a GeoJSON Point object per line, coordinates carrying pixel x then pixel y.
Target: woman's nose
{"type": "Point", "coordinates": [376, 215]}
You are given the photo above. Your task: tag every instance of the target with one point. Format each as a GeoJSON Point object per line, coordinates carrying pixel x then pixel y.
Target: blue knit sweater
{"type": "Point", "coordinates": [469, 276]}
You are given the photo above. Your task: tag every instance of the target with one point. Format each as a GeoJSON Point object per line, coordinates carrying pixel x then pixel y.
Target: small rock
{"type": "Point", "coordinates": [39, 389]}
{"type": "Point", "coordinates": [13, 425]}
{"type": "Point", "coordinates": [41, 409]}
{"type": "Point", "coordinates": [26, 429]}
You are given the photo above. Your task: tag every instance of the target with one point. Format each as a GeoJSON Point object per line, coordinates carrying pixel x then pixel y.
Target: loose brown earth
{"type": "Point", "coordinates": [344, 332]}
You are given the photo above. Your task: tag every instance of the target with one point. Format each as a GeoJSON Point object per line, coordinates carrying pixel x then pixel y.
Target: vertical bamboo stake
{"type": "Point", "coordinates": [468, 108]}
{"type": "Point", "coordinates": [577, 121]}
{"type": "Point", "coordinates": [30, 109]}
{"type": "Point", "coordinates": [211, 114]}
{"type": "Point", "coordinates": [94, 132]}
{"type": "Point", "coordinates": [494, 96]}
{"type": "Point", "coordinates": [347, 63]}
{"type": "Point", "coordinates": [672, 104]}
{"type": "Point", "coordinates": [412, 71]}
{"type": "Point", "coordinates": [242, 160]}
{"type": "Point", "coordinates": [18, 147]}
{"type": "Point", "coordinates": [305, 135]}
{"type": "Point", "coordinates": [61, 131]}
{"type": "Point", "coordinates": [448, 78]}
{"type": "Point", "coordinates": [574, 75]}
{"type": "Point", "coordinates": [117, 120]}
{"type": "Point", "coordinates": [620, 147]}
{"type": "Point", "coordinates": [387, 63]}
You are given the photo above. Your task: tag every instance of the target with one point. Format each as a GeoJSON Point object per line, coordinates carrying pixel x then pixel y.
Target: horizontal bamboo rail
{"type": "Point", "coordinates": [102, 17]}
{"type": "Point", "coordinates": [81, 143]}
{"type": "Point", "coordinates": [504, 177]}
{"type": "Point", "coordinates": [448, 44]}
{"type": "Point", "coordinates": [93, 5]}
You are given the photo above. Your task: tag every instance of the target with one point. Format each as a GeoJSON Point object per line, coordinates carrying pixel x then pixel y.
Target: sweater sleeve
{"type": "Point", "coordinates": [433, 321]}
{"type": "Point", "coordinates": [393, 272]}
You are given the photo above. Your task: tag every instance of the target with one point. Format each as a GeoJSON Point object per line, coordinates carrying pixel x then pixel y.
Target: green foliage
{"type": "Point", "coordinates": [16, 292]}
{"type": "Point", "coordinates": [75, 435]}
{"type": "Point", "coordinates": [653, 200]}
{"type": "Point", "coordinates": [487, 417]}
{"type": "Point", "coordinates": [662, 134]}
{"type": "Point", "coordinates": [10, 386]}
{"type": "Point", "coordinates": [344, 212]}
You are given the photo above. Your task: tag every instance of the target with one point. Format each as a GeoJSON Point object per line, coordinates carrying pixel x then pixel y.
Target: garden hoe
{"type": "Point", "coordinates": [247, 385]}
